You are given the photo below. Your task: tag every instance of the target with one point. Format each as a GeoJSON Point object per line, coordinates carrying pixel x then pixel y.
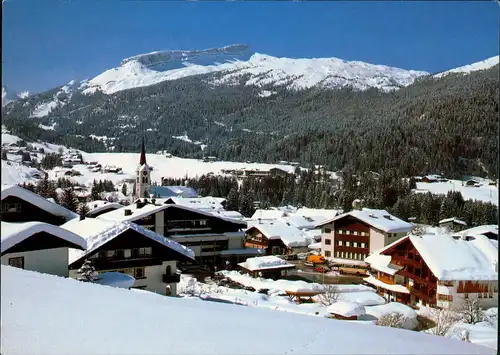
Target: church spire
{"type": "Point", "coordinates": [142, 161]}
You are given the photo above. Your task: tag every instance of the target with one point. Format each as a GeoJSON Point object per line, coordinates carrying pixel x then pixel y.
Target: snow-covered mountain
{"type": "Point", "coordinates": [9, 96]}
{"type": "Point", "coordinates": [259, 69]}
{"type": "Point", "coordinates": [482, 65]}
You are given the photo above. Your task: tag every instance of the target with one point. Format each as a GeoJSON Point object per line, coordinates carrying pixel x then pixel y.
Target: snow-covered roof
{"type": "Point", "coordinates": [58, 302]}
{"type": "Point", "coordinates": [458, 259]}
{"type": "Point", "coordinates": [490, 228]}
{"type": "Point", "coordinates": [453, 219]}
{"type": "Point", "coordinates": [207, 203]}
{"type": "Point", "coordinates": [391, 287]}
{"type": "Point", "coordinates": [230, 214]}
{"type": "Point", "coordinates": [453, 258]}
{"type": "Point", "coordinates": [149, 209]}
{"type": "Point", "coordinates": [379, 219]}
{"type": "Point", "coordinates": [265, 263]}
{"type": "Point", "coordinates": [316, 212]}
{"type": "Point", "coordinates": [315, 246]}
{"type": "Point", "coordinates": [346, 309]}
{"type": "Point", "coordinates": [289, 235]}
{"type": "Point", "coordinates": [382, 263]}
{"type": "Point", "coordinates": [15, 233]}
{"type": "Point", "coordinates": [100, 205]}
{"type": "Point", "coordinates": [302, 222]}
{"type": "Point", "coordinates": [37, 200]}
{"type": "Point", "coordinates": [268, 214]}
{"type": "Point", "coordinates": [98, 232]}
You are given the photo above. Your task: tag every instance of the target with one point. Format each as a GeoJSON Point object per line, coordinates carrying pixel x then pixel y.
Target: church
{"type": "Point", "coordinates": [145, 189]}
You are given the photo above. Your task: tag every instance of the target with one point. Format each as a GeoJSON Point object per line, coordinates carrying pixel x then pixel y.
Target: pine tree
{"type": "Point", "coordinates": [43, 187]}
{"type": "Point", "coordinates": [68, 199]}
{"type": "Point", "coordinates": [94, 192]}
{"type": "Point", "coordinates": [124, 189]}
{"type": "Point", "coordinates": [83, 209]}
{"type": "Point", "coordinates": [247, 204]}
{"type": "Point", "coordinates": [87, 272]}
{"type": "Point", "coordinates": [233, 200]}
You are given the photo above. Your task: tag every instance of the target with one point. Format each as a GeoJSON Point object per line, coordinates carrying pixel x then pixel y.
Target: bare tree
{"type": "Point", "coordinates": [418, 230]}
{"type": "Point", "coordinates": [393, 320]}
{"type": "Point", "coordinates": [471, 310]}
{"type": "Point", "coordinates": [329, 295]}
{"type": "Point", "coordinates": [445, 320]}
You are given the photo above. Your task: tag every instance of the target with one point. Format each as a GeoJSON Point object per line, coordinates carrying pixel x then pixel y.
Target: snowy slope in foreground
{"type": "Point", "coordinates": [261, 69]}
{"type": "Point", "coordinates": [466, 69]}
{"type": "Point", "coordinates": [65, 316]}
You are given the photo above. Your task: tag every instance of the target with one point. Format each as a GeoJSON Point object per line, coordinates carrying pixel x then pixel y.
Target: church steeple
{"type": "Point", "coordinates": [143, 177]}
{"type": "Point", "coordinates": [142, 161]}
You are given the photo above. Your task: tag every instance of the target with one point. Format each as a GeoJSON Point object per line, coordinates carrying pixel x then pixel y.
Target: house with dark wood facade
{"type": "Point", "coordinates": [349, 238]}
{"type": "Point", "coordinates": [38, 246]}
{"type": "Point", "coordinates": [454, 224]}
{"type": "Point", "coordinates": [437, 270]}
{"type": "Point", "coordinates": [129, 248]}
{"type": "Point", "coordinates": [489, 230]}
{"type": "Point", "coordinates": [277, 238]}
{"type": "Point", "coordinates": [206, 233]}
{"type": "Point", "coordinates": [21, 205]}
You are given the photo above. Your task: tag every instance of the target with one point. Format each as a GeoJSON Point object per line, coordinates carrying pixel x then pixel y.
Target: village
{"type": "Point", "coordinates": [362, 265]}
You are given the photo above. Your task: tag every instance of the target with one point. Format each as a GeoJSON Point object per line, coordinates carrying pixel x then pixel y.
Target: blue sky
{"type": "Point", "coordinates": [46, 43]}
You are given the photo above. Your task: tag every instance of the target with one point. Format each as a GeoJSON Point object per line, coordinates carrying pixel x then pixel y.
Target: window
{"type": "Point", "coordinates": [342, 255]}
{"type": "Point", "coordinates": [11, 207]}
{"type": "Point", "coordinates": [362, 245]}
{"type": "Point", "coordinates": [137, 180]}
{"type": "Point", "coordinates": [102, 255]}
{"type": "Point", "coordinates": [203, 223]}
{"type": "Point", "coordinates": [337, 254]}
{"type": "Point", "coordinates": [276, 250]}
{"type": "Point", "coordinates": [139, 273]}
{"type": "Point", "coordinates": [355, 232]}
{"type": "Point", "coordinates": [347, 232]}
{"type": "Point", "coordinates": [328, 230]}
{"type": "Point", "coordinates": [17, 262]}
{"type": "Point", "coordinates": [135, 253]}
{"type": "Point", "coordinates": [328, 241]}
{"type": "Point", "coordinates": [327, 253]}
{"type": "Point", "coordinates": [120, 254]}
{"type": "Point", "coordinates": [347, 244]}
{"type": "Point", "coordinates": [144, 180]}
{"type": "Point", "coordinates": [168, 271]}
{"type": "Point", "coordinates": [466, 295]}
{"type": "Point", "coordinates": [339, 231]}
{"type": "Point", "coordinates": [339, 243]}
{"type": "Point", "coordinates": [355, 244]}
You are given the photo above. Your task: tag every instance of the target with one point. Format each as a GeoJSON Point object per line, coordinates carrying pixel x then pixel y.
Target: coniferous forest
{"type": "Point", "coordinates": [447, 125]}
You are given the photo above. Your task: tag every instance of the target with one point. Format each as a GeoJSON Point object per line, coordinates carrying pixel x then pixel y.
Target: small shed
{"type": "Point", "coordinates": [266, 266]}
{"type": "Point", "coordinates": [453, 224]}
{"type": "Point", "coordinates": [346, 310]}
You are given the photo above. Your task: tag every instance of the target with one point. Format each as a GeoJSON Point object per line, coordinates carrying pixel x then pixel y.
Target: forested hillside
{"type": "Point", "coordinates": [447, 125]}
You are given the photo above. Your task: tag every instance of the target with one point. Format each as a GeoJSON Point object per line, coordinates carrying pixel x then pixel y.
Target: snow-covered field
{"type": "Point", "coordinates": [485, 193]}
{"type": "Point", "coordinates": [44, 314]}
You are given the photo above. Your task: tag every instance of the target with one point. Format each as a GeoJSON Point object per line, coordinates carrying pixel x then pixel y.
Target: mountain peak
{"type": "Point", "coordinates": [481, 65]}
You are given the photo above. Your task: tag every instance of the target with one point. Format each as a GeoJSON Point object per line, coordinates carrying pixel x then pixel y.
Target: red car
{"type": "Point", "coordinates": [321, 269]}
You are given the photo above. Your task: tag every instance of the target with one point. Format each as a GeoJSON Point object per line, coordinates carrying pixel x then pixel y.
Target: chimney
{"type": "Point", "coordinates": [127, 212]}
{"type": "Point", "coordinates": [260, 220]}
{"type": "Point", "coordinates": [82, 217]}
{"type": "Point", "coordinates": [356, 204]}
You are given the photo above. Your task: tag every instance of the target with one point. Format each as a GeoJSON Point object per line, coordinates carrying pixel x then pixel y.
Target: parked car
{"type": "Point", "coordinates": [321, 269]}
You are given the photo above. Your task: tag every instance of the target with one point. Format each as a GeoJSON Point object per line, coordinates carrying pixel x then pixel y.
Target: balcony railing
{"type": "Point", "coordinates": [172, 278]}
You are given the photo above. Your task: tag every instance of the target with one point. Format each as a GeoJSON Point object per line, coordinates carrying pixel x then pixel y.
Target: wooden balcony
{"type": "Point", "coordinates": [402, 261]}
{"type": "Point", "coordinates": [114, 263]}
{"type": "Point", "coordinates": [423, 295]}
{"type": "Point", "coordinates": [426, 281]}
{"type": "Point", "coordinates": [172, 278]}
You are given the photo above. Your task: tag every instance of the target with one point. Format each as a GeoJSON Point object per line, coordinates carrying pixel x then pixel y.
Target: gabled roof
{"type": "Point", "coordinates": [315, 212]}
{"type": "Point", "coordinates": [489, 228]}
{"type": "Point", "coordinates": [149, 209]}
{"type": "Point", "coordinates": [453, 219]}
{"type": "Point", "coordinates": [452, 258]}
{"type": "Point", "coordinates": [302, 222]}
{"type": "Point", "coordinates": [98, 232]}
{"type": "Point", "coordinates": [268, 214]}
{"type": "Point", "coordinates": [289, 235]}
{"type": "Point", "coordinates": [15, 233]}
{"type": "Point", "coordinates": [379, 219]}
{"type": "Point", "coordinates": [200, 203]}
{"type": "Point", "coordinates": [37, 200]}
{"type": "Point", "coordinates": [100, 205]}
